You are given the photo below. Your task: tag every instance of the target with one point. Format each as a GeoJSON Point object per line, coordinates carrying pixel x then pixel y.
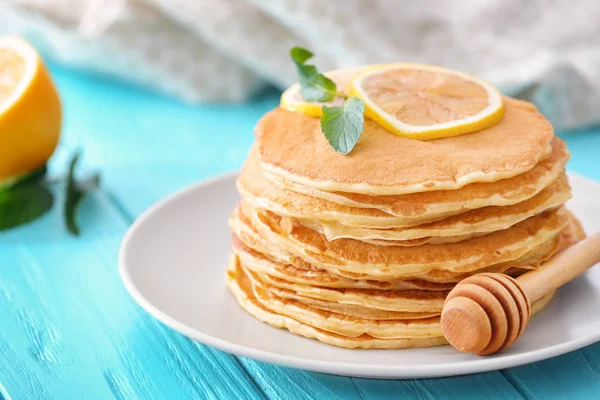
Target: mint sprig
{"type": "Point", "coordinates": [343, 125]}
{"type": "Point", "coordinates": [76, 191]}
{"type": "Point", "coordinates": [28, 198]}
{"type": "Point", "coordinates": [313, 85]}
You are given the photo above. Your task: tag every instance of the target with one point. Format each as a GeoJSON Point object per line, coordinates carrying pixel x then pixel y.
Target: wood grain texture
{"type": "Point", "coordinates": [490, 385]}
{"type": "Point", "coordinates": [69, 330]}
{"type": "Point", "coordinates": [575, 375]}
{"type": "Point", "coordinates": [287, 383]}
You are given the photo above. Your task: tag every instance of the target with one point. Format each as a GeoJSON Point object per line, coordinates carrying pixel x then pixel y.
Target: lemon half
{"type": "Point", "coordinates": [30, 111]}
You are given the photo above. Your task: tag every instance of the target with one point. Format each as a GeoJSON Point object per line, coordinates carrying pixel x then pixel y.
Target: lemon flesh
{"type": "Point", "coordinates": [427, 102]}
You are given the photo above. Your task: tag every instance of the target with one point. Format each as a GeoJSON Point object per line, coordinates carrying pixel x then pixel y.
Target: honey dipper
{"type": "Point", "coordinates": [487, 312]}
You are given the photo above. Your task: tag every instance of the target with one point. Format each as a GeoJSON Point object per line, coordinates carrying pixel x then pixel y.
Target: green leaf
{"type": "Point", "coordinates": [314, 86]}
{"type": "Point", "coordinates": [36, 175]}
{"type": "Point", "coordinates": [300, 55]}
{"type": "Point", "coordinates": [24, 203]}
{"type": "Point", "coordinates": [343, 125]}
{"type": "Point", "coordinates": [75, 193]}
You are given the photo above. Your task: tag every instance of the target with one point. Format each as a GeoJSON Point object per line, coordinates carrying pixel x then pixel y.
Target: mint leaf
{"type": "Point", "coordinates": [24, 203]}
{"type": "Point", "coordinates": [75, 193]}
{"type": "Point", "coordinates": [313, 85]}
{"type": "Point", "coordinates": [343, 125]}
{"type": "Point", "coordinates": [300, 55]}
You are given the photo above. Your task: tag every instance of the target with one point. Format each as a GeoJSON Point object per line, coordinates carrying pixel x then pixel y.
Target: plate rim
{"type": "Point", "coordinates": [400, 371]}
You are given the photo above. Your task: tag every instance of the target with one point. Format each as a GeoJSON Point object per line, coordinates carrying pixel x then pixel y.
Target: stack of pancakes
{"type": "Point", "coordinates": [360, 250]}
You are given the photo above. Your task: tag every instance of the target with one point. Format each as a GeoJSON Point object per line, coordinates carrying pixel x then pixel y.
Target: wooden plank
{"type": "Point", "coordinates": [575, 375]}
{"type": "Point", "coordinates": [283, 383]}
{"type": "Point", "coordinates": [69, 330]}
{"type": "Point", "coordinates": [163, 146]}
{"type": "Point", "coordinates": [289, 383]}
{"type": "Point", "coordinates": [489, 385]}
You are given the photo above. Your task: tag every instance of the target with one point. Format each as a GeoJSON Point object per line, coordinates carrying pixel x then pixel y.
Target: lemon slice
{"type": "Point", "coordinates": [427, 102]}
{"type": "Point", "coordinates": [30, 112]}
{"type": "Point", "coordinates": [292, 99]}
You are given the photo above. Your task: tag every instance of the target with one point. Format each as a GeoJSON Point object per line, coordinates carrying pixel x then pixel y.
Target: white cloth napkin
{"type": "Point", "coordinates": [225, 50]}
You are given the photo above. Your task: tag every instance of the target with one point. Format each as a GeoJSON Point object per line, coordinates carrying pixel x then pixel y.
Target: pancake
{"type": "Point", "coordinates": [293, 147]}
{"type": "Point", "coordinates": [454, 228]}
{"type": "Point", "coordinates": [351, 310]}
{"type": "Point", "coordinates": [348, 326]}
{"type": "Point", "coordinates": [304, 280]}
{"type": "Point", "coordinates": [500, 193]}
{"type": "Point", "coordinates": [304, 270]}
{"type": "Point", "coordinates": [242, 289]}
{"type": "Point", "coordinates": [258, 191]}
{"type": "Point", "coordinates": [408, 301]}
{"type": "Point", "coordinates": [570, 235]}
{"type": "Point", "coordinates": [403, 300]}
{"type": "Point", "coordinates": [417, 209]}
{"type": "Point", "coordinates": [312, 276]}
{"type": "Point", "coordinates": [398, 261]}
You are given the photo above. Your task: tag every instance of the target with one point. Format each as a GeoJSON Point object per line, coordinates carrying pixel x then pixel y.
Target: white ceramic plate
{"type": "Point", "coordinates": [173, 261]}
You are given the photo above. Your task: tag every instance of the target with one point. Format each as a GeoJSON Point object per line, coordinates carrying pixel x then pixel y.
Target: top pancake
{"type": "Point", "coordinates": [293, 147]}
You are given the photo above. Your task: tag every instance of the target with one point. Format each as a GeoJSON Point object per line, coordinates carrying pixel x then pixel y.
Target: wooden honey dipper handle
{"type": "Point", "coordinates": [561, 269]}
{"type": "Point", "coordinates": [486, 313]}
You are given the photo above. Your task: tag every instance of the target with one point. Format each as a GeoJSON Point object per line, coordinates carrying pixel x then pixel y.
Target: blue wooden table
{"type": "Point", "coordinates": [69, 330]}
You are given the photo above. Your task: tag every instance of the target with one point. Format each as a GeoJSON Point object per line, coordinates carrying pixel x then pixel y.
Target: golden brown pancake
{"type": "Point", "coordinates": [397, 261]}
{"type": "Point", "coordinates": [306, 274]}
{"type": "Point", "coordinates": [308, 277]}
{"type": "Point", "coordinates": [476, 195]}
{"type": "Point", "coordinates": [407, 301]}
{"type": "Point", "coordinates": [349, 326]}
{"type": "Point", "coordinates": [273, 260]}
{"type": "Point", "coordinates": [245, 295]}
{"type": "Point", "coordinates": [358, 309]}
{"type": "Point", "coordinates": [241, 287]}
{"type": "Point", "coordinates": [570, 235]}
{"type": "Point", "coordinates": [418, 209]}
{"type": "Point", "coordinates": [293, 147]}
{"type": "Point", "coordinates": [389, 299]}
{"type": "Point", "coordinates": [454, 228]}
